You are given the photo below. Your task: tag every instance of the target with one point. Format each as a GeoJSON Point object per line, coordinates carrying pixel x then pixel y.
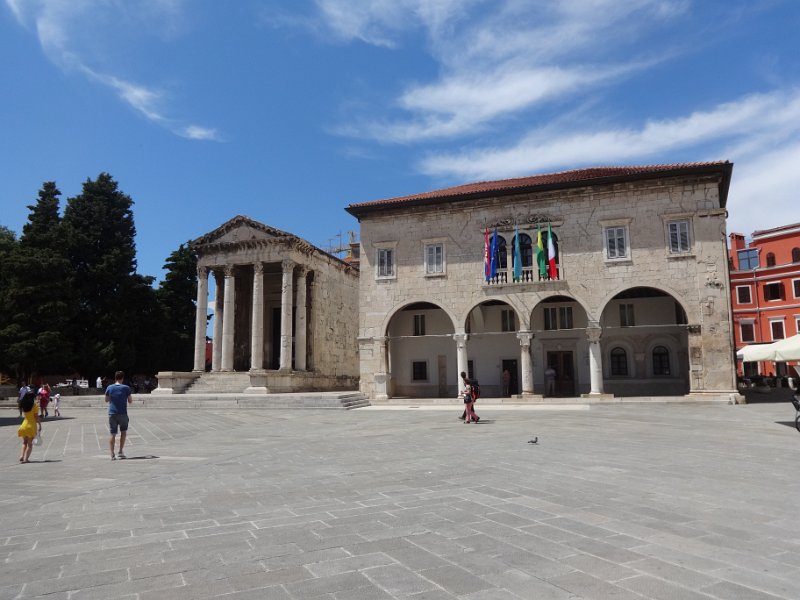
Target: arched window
{"type": "Point", "coordinates": [770, 260]}
{"type": "Point", "coordinates": [619, 362]}
{"type": "Point", "coordinates": [660, 361]}
{"type": "Point", "coordinates": [502, 253]}
{"type": "Point", "coordinates": [525, 249]}
{"type": "Point", "coordinates": [795, 255]}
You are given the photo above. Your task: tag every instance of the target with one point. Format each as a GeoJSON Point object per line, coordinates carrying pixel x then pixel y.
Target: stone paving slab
{"type": "Point", "coordinates": [628, 501]}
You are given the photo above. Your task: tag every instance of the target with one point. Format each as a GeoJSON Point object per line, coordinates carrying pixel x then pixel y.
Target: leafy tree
{"type": "Point", "coordinates": [8, 241]}
{"type": "Point", "coordinates": [99, 237]}
{"type": "Point", "coordinates": [36, 299]}
{"type": "Point", "coordinates": [177, 294]}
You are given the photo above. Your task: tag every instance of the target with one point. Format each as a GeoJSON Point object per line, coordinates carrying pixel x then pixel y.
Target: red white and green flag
{"type": "Point", "coordinates": [551, 254]}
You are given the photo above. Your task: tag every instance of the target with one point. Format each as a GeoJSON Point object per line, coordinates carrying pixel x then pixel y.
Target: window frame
{"type": "Point", "coordinates": [418, 326]}
{"type": "Point", "coordinates": [751, 253]}
{"type": "Point", "coordinates": [390, 250]}
{"type": "Point", "coordinates": [557, 317]}
{"type": "Point", "coordinates": [796, 288]}
{"type": "Point", "coordinates": [614, 364]}
{"type": "Point", "coordinates": [627, 316]}
{"type": "Point", "coordinates": [750, 323]}
{"type": "Point", "coordinates": [625, 239]}
{"type": "Point", "coordinates": [749, 289]}
{"type": "Point", "coordinates": [679, 249]}
{"type": "Point", "coordinates": [414, 378]}
{"type": "Point", "coordinates": [430, 270]}
{"type": "Point", "coordinates": [660, 372]}
{"type": "Point", "coordinates": [774, 285]}
{"type": "Point", "coordinates": [772, 323]}
{"type": "Point", "coordinates": [508, 320]}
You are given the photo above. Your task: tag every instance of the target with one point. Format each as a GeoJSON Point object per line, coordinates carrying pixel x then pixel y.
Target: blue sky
{"type": "Point", "coordinates": [289, 110]}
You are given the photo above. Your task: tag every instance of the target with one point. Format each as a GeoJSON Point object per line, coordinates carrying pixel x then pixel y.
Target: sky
{"type": "Point", "coordinates": [287, 111]}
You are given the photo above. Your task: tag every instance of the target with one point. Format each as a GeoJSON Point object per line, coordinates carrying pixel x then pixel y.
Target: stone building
{"type": "Point", "coordinates": [633, 299]}
{"type": "Point", "coordinates": [285, 315]}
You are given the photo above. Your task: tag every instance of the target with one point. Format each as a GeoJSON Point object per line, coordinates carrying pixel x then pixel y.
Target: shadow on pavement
{"type": "Point", "coordinates": [145, 457]}
{"type": "Point", "coordinates": [15, 420]}
{"type": "Point", "coordinates": [787, 423]}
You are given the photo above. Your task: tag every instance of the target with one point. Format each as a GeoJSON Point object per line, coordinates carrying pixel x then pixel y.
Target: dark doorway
{"type": "Point", "coordinates": [513, 369]}
{"type": "Point", "coordinates": [561, 362]}
{"type": "Point", "coordinates": [275, 355]}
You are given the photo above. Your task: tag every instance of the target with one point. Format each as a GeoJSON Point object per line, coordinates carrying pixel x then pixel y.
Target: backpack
{"type": "Point", "coordinates": [476, 389]}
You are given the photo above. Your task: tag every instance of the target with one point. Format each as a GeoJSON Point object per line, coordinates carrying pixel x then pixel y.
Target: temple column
{"type": "Point", "coordinates": [595, 360]}
{"type": "Point", "coordinates": [525, 338]}
{"type": "Point", "coordinates": [286, 315]}
{"type": "Point", "coordinates": [219, 311]}
{"type": "Point", "coordinates": [257, 328]}
{"type": "Point", "coordinates": [462, 360]}
{"type": "Point", "coordinates": [301, 328]}
{"type": "Point", "coordinates": [201, 321]}
{"type": "Point", "coordinates": [228, 314]}
{"type": "Point", "coordinates": [382, 376]}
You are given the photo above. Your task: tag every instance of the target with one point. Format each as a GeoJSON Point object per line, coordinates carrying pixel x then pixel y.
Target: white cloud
{"type": "Point", "coordinates": [497, 59]}
{"type": "Point", "coordinates": [749, 126]}
{"type": "Point", "coordinates": [76, 34]}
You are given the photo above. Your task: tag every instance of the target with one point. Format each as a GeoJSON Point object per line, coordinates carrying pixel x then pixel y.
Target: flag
{"type": "Point", "coordinates": [540, 258]}
{"type": "Point", "coordinates": [493, 262]}
{"type": "Point", "coordinates": [551, 254]}
{"type": "Point", "coordinates": [517, 256]}
{"type": "Point", "coordinates": [486, 259]}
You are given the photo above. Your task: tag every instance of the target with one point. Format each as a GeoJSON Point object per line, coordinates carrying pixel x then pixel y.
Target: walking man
{"type": "Point", "coordinates": [118, 396]}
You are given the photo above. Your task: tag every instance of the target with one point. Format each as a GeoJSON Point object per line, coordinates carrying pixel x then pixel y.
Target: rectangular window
{"type": "Point", "coordinates": [419, 370]}
{"type": "Point", "coordinates": [743, 294]}
{"type": "Point", "coordinates": [748, 259]}
{"type": "Point", "coordinates": [678, 236]}
{"type": "Point", "coordinates": [434, 259]}
{"type": "Point", "coordinates": [470, 370]}
{"type": "Point", "coordinates": [776, 328]}
{"type": "Point", "coordinates": [797, 325]}
{"type": "Point", "coordinates": [626, 315]}
{"type": "Point", "coordinates": [616, 246]}
{"type": "Point", "coordinates": [796, 288]}
{"type": "Point", "coordinates": [773, 291]}
{"type": "Point", "coordinates": [385, 262]}
{"type": "Point", "coordinates": [558, 318]}
{"type": "Point", "coordinates": [419, 324]}
{"type": "Point", "coordinates": [508, 321]}
{"type": "Point", "coordinates": [747, 332]}
{"type": "Point", "coordinates": [565, 317]}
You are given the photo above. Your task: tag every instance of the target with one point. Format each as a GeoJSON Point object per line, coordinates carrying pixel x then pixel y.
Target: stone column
{"type": "Point", "coordinates": [595, 360]}
{"type": "Point", "coordinates": [462, 360]}
{"type": "Point", "coordinates": [228, 314]}
{"type": "Point", "coordinates": [219, 311]}
{"type": "Point", "coordinates": [525, 338]}
{"type": "Point", "coordinates": [286, 315]}
{"type": "Point", "coordinates": [201, 321]}
{"type": "Point", "coordinates": [696, 373]}
{"type": "Point", "coordinates": [382, 376]}
{"type": "Point", "coordinates": [300, 327]}
{"type": "Point", "coordinates": [257, 328]}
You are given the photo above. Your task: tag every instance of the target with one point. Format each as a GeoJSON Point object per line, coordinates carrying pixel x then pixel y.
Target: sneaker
{"type": "Point", "coordinates": [113, 457]}
{"type": "Point", "coordinates": [121, 456]}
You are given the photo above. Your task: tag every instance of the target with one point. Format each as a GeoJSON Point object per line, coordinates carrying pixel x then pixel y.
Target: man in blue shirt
{"type": "Point", "coordinates": [118, 396]}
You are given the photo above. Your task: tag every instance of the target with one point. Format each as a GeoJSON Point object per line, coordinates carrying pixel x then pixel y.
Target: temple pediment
{"type": "Point", "coordinates": [238, 230]}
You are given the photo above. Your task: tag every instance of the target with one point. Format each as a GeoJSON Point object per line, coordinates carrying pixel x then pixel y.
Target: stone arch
{"type": "Point", "coordinates": [391, 314]}
{"type": "Point", "coordinates": [638, 319]}
{"type": "Point", "coordinates": [659, 287]}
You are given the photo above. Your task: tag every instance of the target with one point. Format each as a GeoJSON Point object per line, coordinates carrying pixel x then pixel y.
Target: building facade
{"type": "Point", "coordinates": [765, 287]}
{"type": "Point", "coordinates": [632, 299]}
{"type": "Point", "coordinates": [284, 318]}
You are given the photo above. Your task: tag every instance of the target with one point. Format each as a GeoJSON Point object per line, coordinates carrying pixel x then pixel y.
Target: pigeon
{"type": "Point", "coordinates": [535, 440]}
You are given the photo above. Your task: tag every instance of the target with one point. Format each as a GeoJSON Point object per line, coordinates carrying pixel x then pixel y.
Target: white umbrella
{"type": "Point", "coordinates": [788, 349]}
{"type": "Point", "coordinates": [756, 353]}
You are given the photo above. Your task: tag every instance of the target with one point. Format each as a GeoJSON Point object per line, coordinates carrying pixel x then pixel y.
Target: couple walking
{"type": "Point", "coordinates": [470, 394]}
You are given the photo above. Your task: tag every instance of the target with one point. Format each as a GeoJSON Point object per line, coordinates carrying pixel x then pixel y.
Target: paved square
{"type": "Point", "coordinates": [659, 501]}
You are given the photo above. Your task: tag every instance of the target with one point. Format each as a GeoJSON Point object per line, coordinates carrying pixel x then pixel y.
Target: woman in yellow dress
{"type": "Point", "coordinates": [29, 428]}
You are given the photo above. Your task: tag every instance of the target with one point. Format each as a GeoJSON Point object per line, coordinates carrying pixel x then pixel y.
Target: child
{"type": "Point", "coordinates": [57, 405]}
{"type": "Point", "coordinates": [30, 426]}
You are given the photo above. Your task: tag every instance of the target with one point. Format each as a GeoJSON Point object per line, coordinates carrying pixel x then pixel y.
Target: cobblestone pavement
{"type": "Point", "coordinates": [665, 502]}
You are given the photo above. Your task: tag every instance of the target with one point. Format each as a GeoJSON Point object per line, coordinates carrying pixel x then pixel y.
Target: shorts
{"type": "Point", "coordinates": [117, 420]}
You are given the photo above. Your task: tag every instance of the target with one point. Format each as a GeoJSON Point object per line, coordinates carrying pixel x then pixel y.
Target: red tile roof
{"type": "Point", "coordinates": [563, 179]}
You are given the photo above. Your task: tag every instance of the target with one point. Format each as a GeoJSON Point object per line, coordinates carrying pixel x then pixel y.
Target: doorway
{"type": "Point", "coordinates": [561, 361]}
{"type": "Point", "coordinates": [512, 366]}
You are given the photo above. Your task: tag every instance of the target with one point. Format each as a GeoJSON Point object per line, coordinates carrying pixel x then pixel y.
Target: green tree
{"type": "Point", "coordinates": [37, 300]}
{"type": "Point", "coordinates": [8, 241]}
{"type": "Point", "coordinates": [99, 237]}
{"type": "Point", "coordinates": [176, 295]}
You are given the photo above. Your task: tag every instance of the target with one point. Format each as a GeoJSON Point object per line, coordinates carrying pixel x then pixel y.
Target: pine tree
{"type": "Point", "coordinates": [99, 237]}
{"type": "Point", "coordinates": [176, 295]}
{"type": "Point", "coordinates": [37, 300]}
{"type": "Point", "coordinates": [8, 241]}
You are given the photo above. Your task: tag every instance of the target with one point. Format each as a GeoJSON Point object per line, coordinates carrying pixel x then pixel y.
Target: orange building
{"type": "Point", "coordinates": [765, 285]}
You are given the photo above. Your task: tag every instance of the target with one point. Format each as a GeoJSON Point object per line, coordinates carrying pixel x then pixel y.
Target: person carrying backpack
{"type": "Point", "coordinates": [470, 393]}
